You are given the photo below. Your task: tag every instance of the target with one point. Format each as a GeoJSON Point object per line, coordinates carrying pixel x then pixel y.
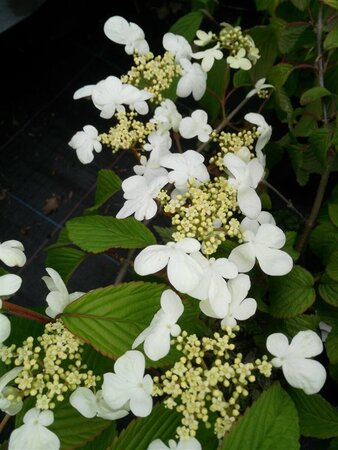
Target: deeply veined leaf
{"type": "Point", "coordinates": [290, 239]}
{"type": "Point", "coordinates": [107, 184]}
{"type": "Point", "coordinates": [313, 94]}
{"type": "Point", "coordinates": [187, 25]}
{"type": "Point", "coordinates": [289, 36]}
{"type": "Point", "coordinates": [99, 233]}
{"type": "Point", "coordinates": [291, 294]}
{"type": "Point", "coordinates": [324, 240]}
{"type": "Point", "coordinates": [270, 423]}
{"type": "Point", "coordinates": [317, 417]}
{"type": "Point", "coordinates": [64, 260]}
{"type": "Point", "coordinates": [328, 289]}
{"type": "Point", "coordinates": [320, 141]}
{"type": "Point", "coordinates": [331, 345]}
{"type": "Point", "coordinates": [161, 424]}
{"type": "Point", "coordinates": [293, 325]}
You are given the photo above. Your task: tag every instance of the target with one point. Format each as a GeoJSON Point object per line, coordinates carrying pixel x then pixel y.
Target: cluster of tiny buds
{"type": "Point", "coordinates": [209, 378]}
{"type": "Point", "coordinates": [127, 132]}
{"type": "Point", "coordinates": [232, 39]}
{"type": "Point", "coordinates": [153, 73]}
{"type": "Point", "coordinates": [232, 142]}
{"type": "Point", "coordinates": [205, 212]}
{"type": "Point", "coordinates": [52, 366]}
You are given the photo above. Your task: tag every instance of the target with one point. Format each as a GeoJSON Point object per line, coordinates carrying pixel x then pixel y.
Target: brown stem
{"type": "Point", "coordinates": [177, 140]}
{"type": "Point", "coordinates": [288, 203]}
{"type": "Point", "coordinates": [20, 311]}
{"type": "Point", "coordinates": [4, 422]}
{"type": "Point", "coordinates": [124, 268]}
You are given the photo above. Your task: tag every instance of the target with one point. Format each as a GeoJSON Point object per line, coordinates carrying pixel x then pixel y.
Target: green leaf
{"type": "Point", "coordinates": [265, 38]}
{"type": "Point", "coordinates": [103, 440]}
{"type": "Point", "coordinates": [161, 424]}
{"type": "Point", "coordinates": [218, 79]}
{"type": "Point", "coordinates": [292, 326]}
{"type": "Point", "coordinates": [328, 290]}
{"type": "Point", "coordinates": [269, 5]}
{"type": "Point", "coordinates": [291, 294]}
{"type": "Point", "coordinates": [110, 318]}
{"type": "Point", "coordinates": [99, 233]}
{"type": "Point", "coordinates": [165, 233]}
{"type": "Point", "coordinates": [324, 240]}
{"type": "Point", "coordinates": [300, 4]}
{"type": "Point", "coordinates": [242, 78]}
{"type": "Point", "coordinates": [332, 3]}
{"type": "Point", "coordinates": [64, 260]}
{"type": "Point", "coordinates": [334, 443]}
{"type": "Point", "coordinates": [331, 40]}
{"type": "Point", "coordinates": [320, 141]}
{"type": "Point", "coordinates": [289, 36]}
{"type": "Point", "coordinates": [317, 418]}
{"type": "Point", "coordinates": [278, 74]}
{"type": "Point", "coordinates": [290, 241]}
{"type": "Point", "coordinates": [313, 94]}
{"type": "Point", "coordinates": [270, 423]}
{"type": "Point", "coordinates": [106, 185]}
{"type": "Point", "coordinates": [187, 25]}
{"type": "Point", "coordinates": [327, 313]}
{"type": "Point", "coordinates": [283, 101]}
{"type": "Point", "coordinates": [332, 267]}
{"type": "Point", "coordinates": [333, 213]}
{"type": "Point", "coordinates": [331, 346]}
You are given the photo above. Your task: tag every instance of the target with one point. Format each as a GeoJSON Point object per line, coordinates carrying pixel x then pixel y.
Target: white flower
{"type": "Point", "coordinates": [239, 61]}
{"type": "Point", "coordinates": [196, 125]}
{"type": "Point", "coordinates": [58, 298]}
{"type": "Point", "coordinates": [166, 116]}
{"type": "Point", "coordinates": [177, 45]}
{"type": "Point", "coordinates": [325, 330]}
{"type": "Point", "coordinates": [183, 271]}
{"type": "Point", "coordinates": [9, 284]}
{"type": "Point", "coordinates": [93, 405]}
{"type": "Point", "coordinates": [253, 224]}
{"type": "Point", "coordinates": [245, 178]}
{"type": "Point", "coordinates": [34, 434]}
{"type": "Point", "coordinates": [265, 132]}
{"type": "Point", "coordinates": [299, 371]}
{"type": "Point", "coordinates": [187, 166]}
{"type": "Point", "coordinates": [260, 84]}
{"type": "Point", "coordinates": [203, 38]}
{"type": "Point", "coordinates": [208, 57]}
{"type": "Point", "coordinates": [156, 336]}
{"type": "Point", "coordinates": [129, 34]}
{"type": "Point", "coordinates": [193, 80]}
{"type": "Point", "coordinates": [239, 308]}
{"type": "Point", "coordinates": [85, 143]}
{"type": "Point", "coordinates": [12, 253]}
{"type": "Point", "coordinates": [263, 245]}
{"type": "Point", "coordinates": [10, 399]}
{"type": "Point", "coordinates": [129, 384]}
{"type": "Point", "coordinates": [159, 145]}
{"type": "Point", "coordinates": [212, 286]}
{"type": "Point", "coordinates": [139, 194]}
{"type": "Point", "coordinates": [5, 326]}
{"type": "Point", "coordinates": [189, 443]}
{"type": "Point", "coordinates": [150, 169]}
{"type": "Point", "coordinates": [253, 50]}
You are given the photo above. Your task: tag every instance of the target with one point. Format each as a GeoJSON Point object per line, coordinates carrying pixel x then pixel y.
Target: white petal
{"type": "Point", "coordinates": [9, 284]}
{"type": "Point", "coordinates": [277, 344]}
{"type": "Point", "coordinates": [11, 253]}
{"type": "Point", "coordinates": [249, 202]}
{"type": "Point", "coordinates": [85, 91]}
{"type": "Point", "coordinates": [188, 245]}
{"type": "Point", "coordinates": [273, 262]}
{"type": "Point", "coordinates": [116, 29]}
{"type": "Point", "coordinates": [157, 444]}
{"type": "Point", "coordinates": [188, 128]}
{"type": "Point", "coordinates": [304, 374]}
{"type": "Point", "coordinates": [183, 272]}
{"type": "Point", "coordinates": [157, 344]}
{"type": "Point", "coordinates": [114, 391]}
{"type": "Point", "coordinates": [172, 305]}
{"type": "Point", "coordinates": [151, 259]}
{"type": "Point", "coordinates": [270, 236]}
{"type": "Point", "coordinates": [33, 438]}
{"type": "Point", "coordinates": [84, 401]}
{"type": "Point", "coordinates": [141, 403]}
{"type": "Point", "coordinates": [239, 288]}
{"type": "Point", "coordinates": [9, 376]}
{"type": "Point", "coordinates": [306, 344]}
{"type": "Point", "coordinates": [243, 256]}
{"type": "Point", "coordinates": [130, 366]}
{"type": "Point", "coordinates": [246, 309]}
{"type": "Point", "coordinates": [225, 268]}
{"type": "Point", "coordinates": [5, 328]}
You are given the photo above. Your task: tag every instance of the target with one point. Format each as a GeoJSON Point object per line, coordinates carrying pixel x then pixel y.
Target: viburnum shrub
{"type": "Point", "coordinates": [213, 343]}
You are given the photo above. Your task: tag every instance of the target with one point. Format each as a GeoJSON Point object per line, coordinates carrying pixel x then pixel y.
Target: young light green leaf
{"type": "Point", "coordinates": [64, 260]}
{"type": "Point", "coordinates": [328, 289]}
{"type": "Point", "coordinates": [291, 294]}
{"type": "Point", "coordinates": [331, 40]}
{"type": "Point", "coordinates": [107, 184]}
{"type": "Point", "coordinates": [332, 3]}
{"type": "Point", "coordinates": [317, 418]}
{"type": "Point", "coordinates": [99, 233]}
{"type": "Point", "coordinates": [313, 94]}
{"type": "Point", "coordinates": [270, 423]}
{"type": "Point", "coordinates": [187, 25]}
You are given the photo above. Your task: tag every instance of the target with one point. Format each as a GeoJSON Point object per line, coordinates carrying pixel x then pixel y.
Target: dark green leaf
{"type": "Point", "coordinates": [265, 38]}
{"type": "Point", "coordinates": [218, 79]}
{"type": "Point", "coordinates": [324, 240]}
{"type": "Point", "coordinates": [242, 78]}
{"type": "Point", "coordinates": [187, 25]}
{"type": "Point", "coordinates": [278, 74]}
{"type": "Point", "coordinates": [292, 326]}
{"type": "Point", "coordinates": [165, 233]}
{"type": "Point", "coordinates": [317, 418]}
{"type": "Point", "coordinates": [313, 94]}
{"type": "Point", "coordinates": [289, 36]}
{"type": "Point", "coordinates": [301, 4]}
{"type": "Point", "coordinates": [269, 5]}
{"type": "Point", "coordinates": [328, 290]}
{"type": "Point", "coordinates": [332, 267]}
{"type": "Point", "coordinates": [331, 345]}
{"type": "Point", "coordinates": [333, 213]}
{"type": "Point", "coordinates": [331, 40]}
{"type": "Point", "coordinates": [320, 141]}
{"type": "Point", "coordinates": [99, 233]}
{"type": "Point", "coordinates": [64, 260]}
{"type": "Point", "coordinates": [106, 185]}
{"type": "Point", "coordinates": [291, 294]}
{"type": "Point", "coordinates": [327, 313]}
{"type": "Point", "coordinates": [270, 423]}
{"type": "Point", "coordinates": [284, 101]}
{"type": "Point", "coordinates": [291, 237]}
{"type": "Point", "coordinates": [332, 3]}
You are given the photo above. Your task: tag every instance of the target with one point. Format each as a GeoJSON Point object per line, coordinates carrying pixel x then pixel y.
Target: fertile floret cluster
{"type": "Point", "coordinates": [153, 73]}
{"type": "Point", "coordinates": [127, 132]}
{"type": "Point", "coordinates": [209, 377]}
{"type": "Point", "coordinates": [51, 367]}
{"type": "Point", "coordinates": [205, 212]}
{"type": "Point", "coordinates": [233, 39]}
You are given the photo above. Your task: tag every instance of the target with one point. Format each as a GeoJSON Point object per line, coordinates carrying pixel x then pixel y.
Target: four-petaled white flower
{"type": "Point", "coordinates": [264, 244]}
{"type": "Point", "coordinates": [34, 434]}
{"type": "Point", "coordinates": [253, 224]}
{"type": "Point", "coordinates": [259, 85]}
{"type": "Point", "coordinates": [59, 297]}
{"type": "Point", "coordinates": [183, 271]}
{"type": "Point", "coordinates": [212, 286]}
{"type": "Point", "coordinates": [239, 61]}
{"type": "Point", "coordinates": [150, 169]}
{"type": "Point", "coordinates": [189, 443]}
{"type": "Point", "coordinates": [9, 284]}
{"type": "Point", "coordinates": [193, 80]}
{"type": "Point", "coordinates": [187, 166]}
{"type": "Point", "coordinates": [300, 371]}
{"type": "Point", "coordinates": [12, 253]}
{"type": "Point", "coordinates": [159, 145]}
{"type": "Point", "coordinates": [203, 38]}
{"type": "Point", "coordinates": [166, 116]}
{"type": "Point", "coordinates": [245, 178]}
{"type": "Point", "coordinates": [196, 125]}
{"type": "Point", "coordinates": [177, 45]}
{"type": "Point", "coordinates": [85, 143]}
{"type": "Point", "coordinates": [239, 308]}
{"type": "Point", "coordinates": [129, 34]}
{"type": "Point", "coordinates": [129, 384]}
{"type": "Point", "coordinates": [139, 194]}
{"type": "Point", "coordinates": [208, 57]}
{"type": "Point", "coordinates": [93, 405]}
{"type": "Point", "coordinates": [10, 399]}
{"type": "Point", "coordinates": [156, 336]}
{"type": "Point", "coordinates": [265, 132]}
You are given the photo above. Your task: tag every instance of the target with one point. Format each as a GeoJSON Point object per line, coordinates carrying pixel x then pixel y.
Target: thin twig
{"type": "Point", "coordinates": [4, 422]}
{"type": "Point", "coordinates": [288, 203]}
{"type": "Point", "coordinates": [125, 266]}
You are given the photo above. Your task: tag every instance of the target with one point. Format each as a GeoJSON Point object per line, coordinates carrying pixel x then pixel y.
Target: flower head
{"type": "Point", "coordinates": [299, 371]}
{"type": "Point", "coordinates": [129, 34]}
{"type": "Point", "coordinates": [177, 45]}
{"type": "Point", "coordinates": [196, 125]}
{"type": "Point", "coordinates": [166, 116]}
{"type": "Point", "coordinates": [85, 143]}
{"type": "Point", "coordinates": [239, 61]}
{"type": "Point", "coordinates": [264, 131]}
{"type": "Point", "coordinates": [203, 38]}
{"type": "Point", "coordinates": [9, 284]}
{"type": "Point", "coordinates": [208, 57]}
{"type": "Point", "coordinates": [193, 80]}
{"type": "Point", "coordinates": [12, 253]}
{"type": "Point", "coordinates": [259, 85]}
